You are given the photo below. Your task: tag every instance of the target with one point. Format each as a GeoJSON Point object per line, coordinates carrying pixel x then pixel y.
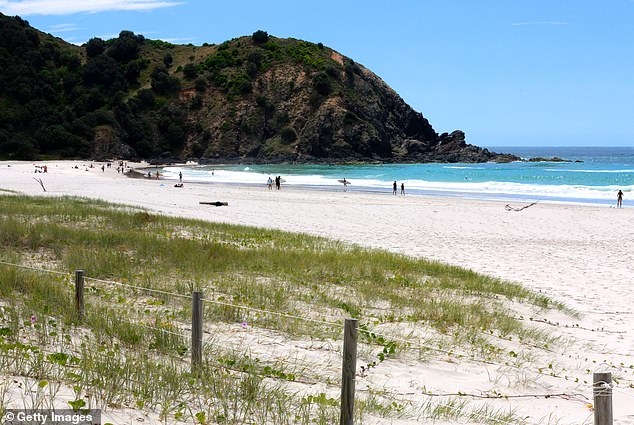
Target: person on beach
{"type": "Point", "coordinates": [180, 177]}
{"type": "Point", "coordinates": [103, 168]}
{"type": "Point", "coordinates": [345, 185]}
{"type": "Point", "coordinates": [619, 199]}
{"type": "Point", "coordinates": [157, 175]}
{"type": "Point", "coordinates": [394, 188]}
{"type": "Point", "coordinates": [278, 182]}
{"type": "Point", "coordinates": [269, 183]}
{"type": "Point", "coordinates": [402, 189]}
{"type": "Point", "coordinates": [149, 175]}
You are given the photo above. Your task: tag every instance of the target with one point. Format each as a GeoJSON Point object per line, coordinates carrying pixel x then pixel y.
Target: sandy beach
{"type": "Point", "coordinates": [582, 256]}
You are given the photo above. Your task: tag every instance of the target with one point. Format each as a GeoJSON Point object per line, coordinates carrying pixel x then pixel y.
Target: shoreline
{"type": "Point", "coordinates": [455, 194]}
{"type": "Point", "coordinates": [446, 180]}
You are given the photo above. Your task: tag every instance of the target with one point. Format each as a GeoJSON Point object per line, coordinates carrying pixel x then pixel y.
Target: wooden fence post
{"type": "Point", "coordinates": [348, 372]}
{"type": "Point", "coordinates": [197, 330]}
{"type": "Point", "coordinates": [79, 293]}
{"type": "Point", "coordinates": [602, 391]}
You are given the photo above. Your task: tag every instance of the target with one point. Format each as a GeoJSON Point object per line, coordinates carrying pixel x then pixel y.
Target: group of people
{"type": "Point", "coordinates": [278, 183]}
{"type": "Point", "coordinates": [395, 188]}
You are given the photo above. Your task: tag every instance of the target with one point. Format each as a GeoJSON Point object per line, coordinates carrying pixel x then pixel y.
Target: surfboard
{"type": "Point", "coordinates": [347, 181]}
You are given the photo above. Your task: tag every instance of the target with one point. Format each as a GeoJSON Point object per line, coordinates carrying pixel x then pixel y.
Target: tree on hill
{"type": "Point", "coordinates": [260, 37]}
{"type": "Point", "coordinates": [190, 71]}
{"type": "Point", "coordinates": [162, 82]}
{"type": "Point", "coordinates": [94, 47]}
{"type": "Point", "coordinates": [168, 59]}
{"type": "Point", "coordinates": [126, 47]}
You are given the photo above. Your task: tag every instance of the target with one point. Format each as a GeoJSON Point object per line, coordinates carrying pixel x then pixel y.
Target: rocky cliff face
{"type": "Point", "coordinates": [352, 116]}
{"type": "Point", "coordinates": [255, 98]}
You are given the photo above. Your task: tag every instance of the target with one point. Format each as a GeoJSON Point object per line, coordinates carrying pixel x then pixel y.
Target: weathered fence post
{"type": "Point", "coordinates": [197, 330]}
{"type": "Point", "coordinates": [602, 391]}
{"type": "Point", "coordinates": [348, 372]}
{"type": "Point", "coordinates": [79, 293]}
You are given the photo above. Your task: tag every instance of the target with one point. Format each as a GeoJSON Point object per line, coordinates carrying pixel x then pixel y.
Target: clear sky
{"type": "Point", "coordinates": [507, 72]}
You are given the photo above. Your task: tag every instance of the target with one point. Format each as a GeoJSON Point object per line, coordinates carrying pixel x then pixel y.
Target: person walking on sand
{"type": "Point", "coordinates": [619, 199]}
{"type": "Point", "coordinates": [269, 183]}
{"type": "Point", "coordinates": [402, 189]}
{"type": "Point", "coordinates": [345, 185]}
{"type": "Point", "coordinates": [394, 188]}
{"type": "Point", "coordinates": [180, 176]}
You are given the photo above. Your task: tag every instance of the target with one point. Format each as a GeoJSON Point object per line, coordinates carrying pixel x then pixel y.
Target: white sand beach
{"type": "Point", "coordinates": [582, 256]}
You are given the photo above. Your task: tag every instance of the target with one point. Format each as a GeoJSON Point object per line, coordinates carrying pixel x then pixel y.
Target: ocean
{"type": "Point", "coordinates": [594, 176]}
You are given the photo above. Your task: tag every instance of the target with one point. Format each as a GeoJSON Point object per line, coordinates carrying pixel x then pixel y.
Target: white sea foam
{"type": "Point", "coordinates": [535, 191]}
{"type": "Point", "coordinates": [557, 170]}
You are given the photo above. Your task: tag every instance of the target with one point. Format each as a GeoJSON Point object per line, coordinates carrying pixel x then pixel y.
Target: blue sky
{"type": "Point", "coordinates": [507, 72]}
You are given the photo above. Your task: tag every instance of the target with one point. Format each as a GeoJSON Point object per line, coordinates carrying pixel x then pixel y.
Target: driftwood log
{"type": "Point", "coordinates": [217, 203]}
{"type": "Point", "coordinates": [510, 208]}
{"type": "Point", "coordinates": [40, 182]}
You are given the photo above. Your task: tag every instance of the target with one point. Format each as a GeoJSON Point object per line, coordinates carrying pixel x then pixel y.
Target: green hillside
{"type": "Point", "coordinates": [256, 97]}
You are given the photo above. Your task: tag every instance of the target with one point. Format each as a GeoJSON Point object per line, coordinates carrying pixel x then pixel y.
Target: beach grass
{"type": "Point", "coordinates": [244, 272]}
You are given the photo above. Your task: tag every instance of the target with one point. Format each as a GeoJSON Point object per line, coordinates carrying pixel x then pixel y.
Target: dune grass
{"type": "Point", "coordinates": [284, 272]}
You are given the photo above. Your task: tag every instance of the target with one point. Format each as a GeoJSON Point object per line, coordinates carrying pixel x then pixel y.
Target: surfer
{"type": "Point", "coordinates": [394, 188]}
{"type": "Point", "coordinates": [403, 189]}
{"type": "Point", "coordinates": [345, 185]}
{"type": "Point", "coordinates": [180, 177]}
{"type": "Point", "coordinates": [619, 199]}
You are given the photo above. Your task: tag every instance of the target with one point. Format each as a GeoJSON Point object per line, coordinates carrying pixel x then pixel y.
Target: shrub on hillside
{"type": "Point", "coordinates": [288, 135]}
{"type": "Point", "coordinates": [322, 85]}
{"type": "Point", "coordinates": [200, 84]}
{"type": "Point", "coordinates": [190, 71]}
{"type": "Point", "coordinates": [260, 37]}
{"type": "Point", "coordinates": [168, 59]}
{"type": "Point", "coordinates": [126, 47]}
{"type": "Point", "coordinates": [95, 47]}
{"type": "Point", "coordinates": [162, 82]}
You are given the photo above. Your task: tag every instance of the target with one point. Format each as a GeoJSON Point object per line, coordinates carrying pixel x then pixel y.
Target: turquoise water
{"type": "Point", "coordinates": [600, 173]}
